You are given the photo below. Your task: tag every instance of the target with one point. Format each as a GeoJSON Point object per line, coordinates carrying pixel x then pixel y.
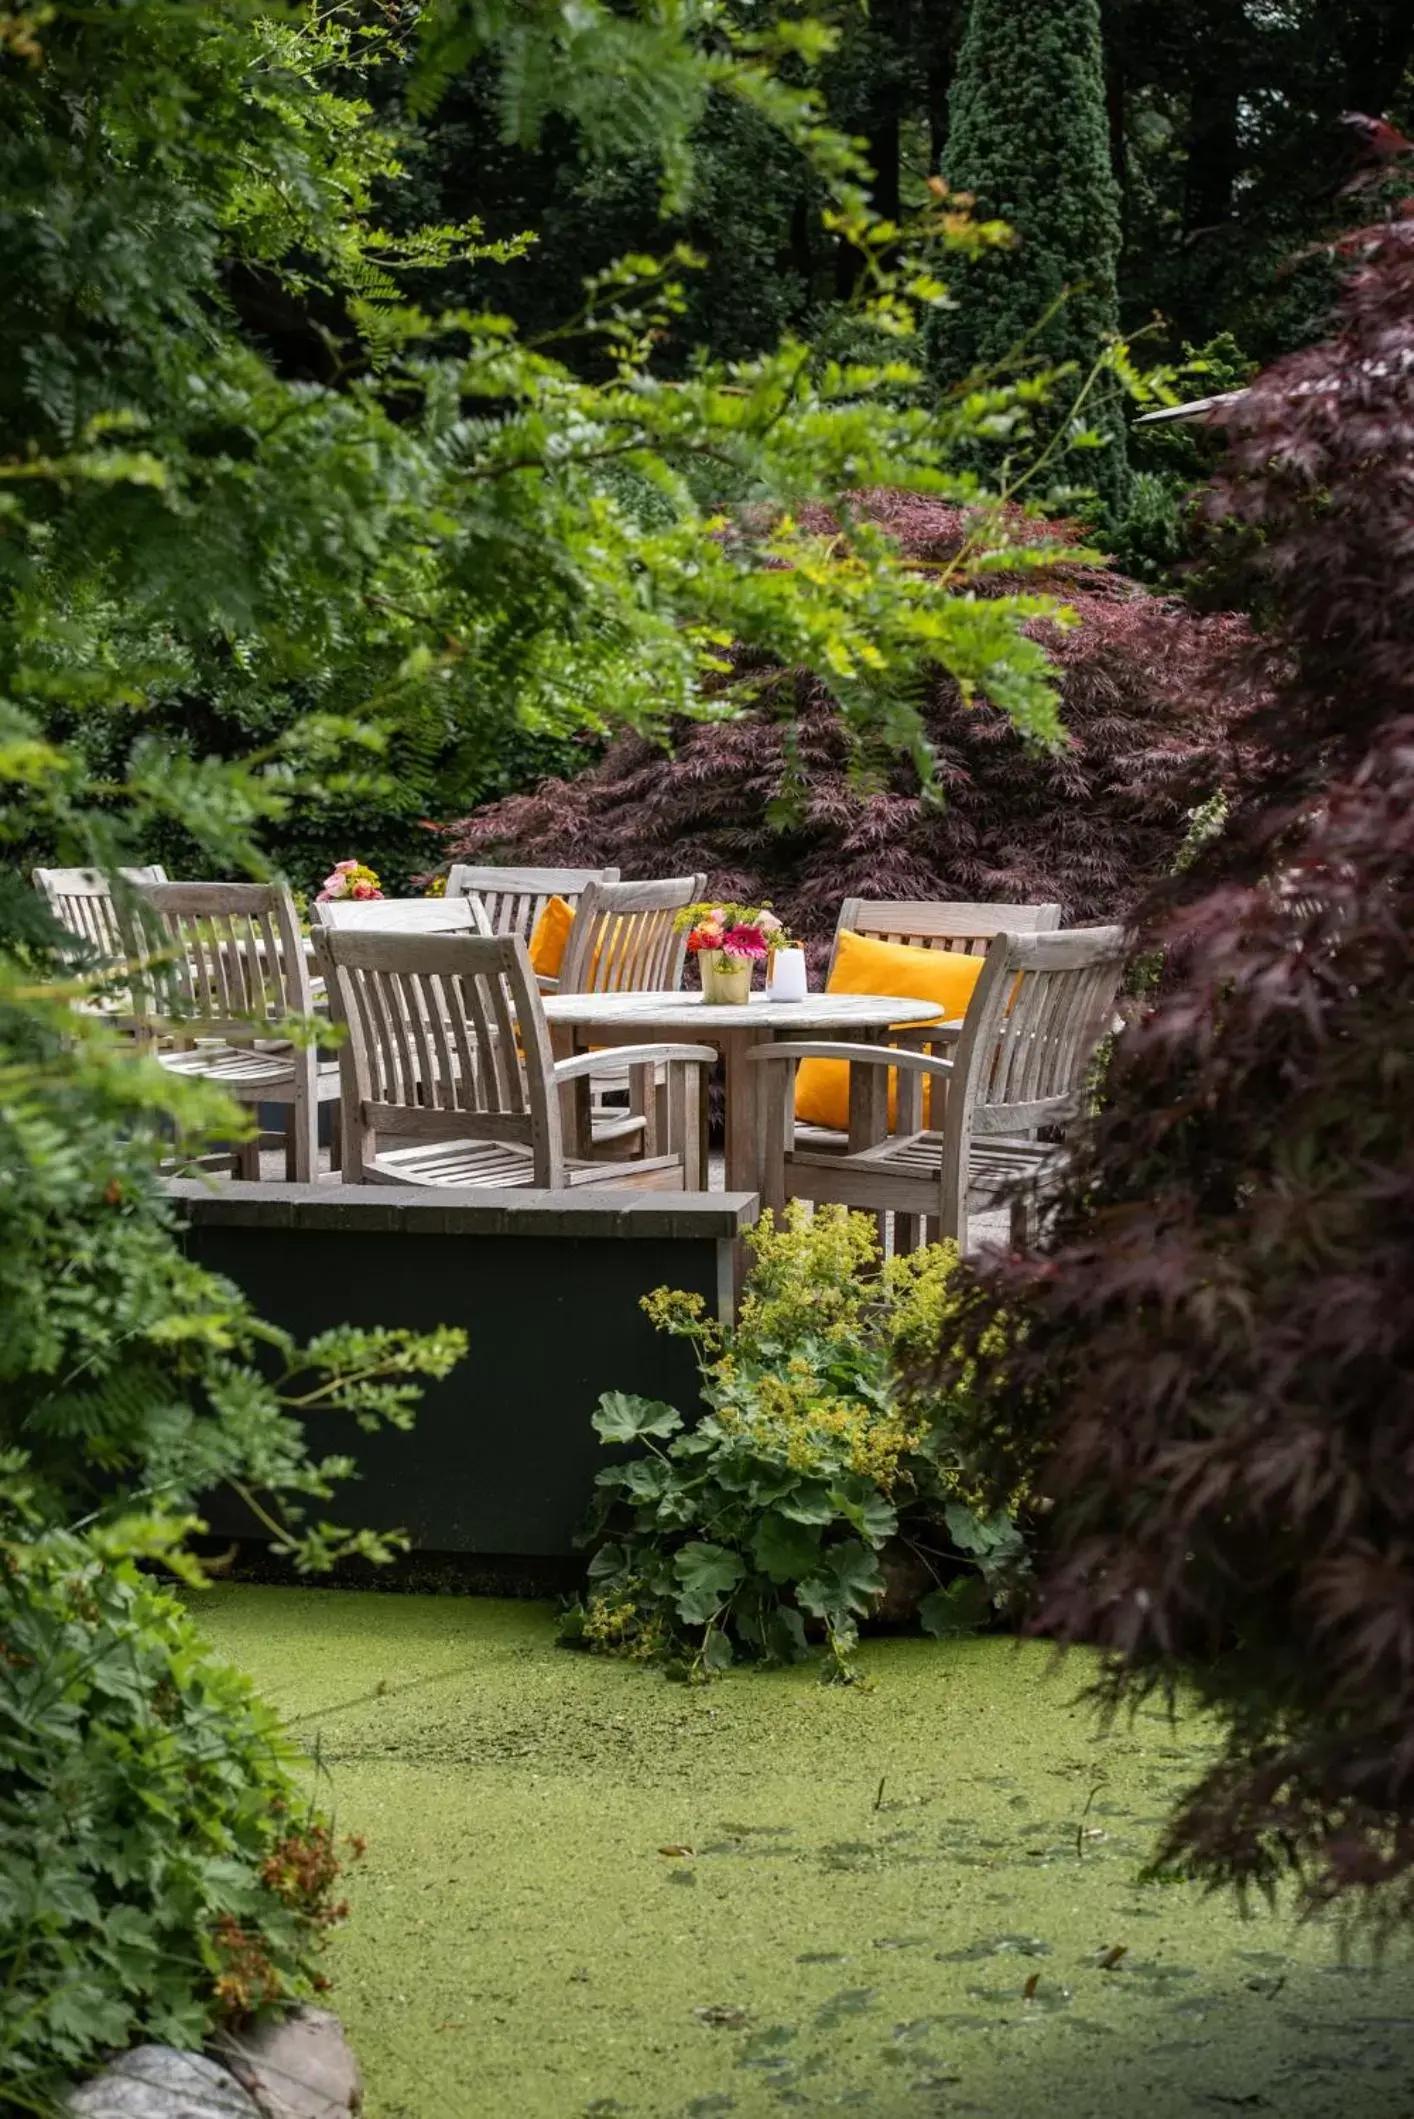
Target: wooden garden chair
{"type": "Point", "coordinates": [221, 969]}
{"type": "Point", "coordinates": [624, 940]}
{"type": "Point", "coordinates": [1043, 1005]}
{"type": "Point", "coordinates": [81, 899]}
{"type": "Point", "coordinates": [923, 923]}
{"type": "Point", "coordinates": [940, 923]}
{"type": "Point", "coordinates": [514, 898]}
{"type": "Point", "coordinates": [448, 1077]}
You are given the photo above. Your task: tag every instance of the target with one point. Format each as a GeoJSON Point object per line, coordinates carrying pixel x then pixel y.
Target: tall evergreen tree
{"type": "Point", "coordinates": [1029, 137]}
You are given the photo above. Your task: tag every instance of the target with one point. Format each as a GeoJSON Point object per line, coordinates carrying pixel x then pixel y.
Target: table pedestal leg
{"type": "Point", "coordinates": [744, 1091]}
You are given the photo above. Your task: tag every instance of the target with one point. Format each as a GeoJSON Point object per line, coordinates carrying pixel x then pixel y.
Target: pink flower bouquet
{"type": "Point", "coordinates": [728, 942]}
{"type": "Point", "coordinates": [349, 879]}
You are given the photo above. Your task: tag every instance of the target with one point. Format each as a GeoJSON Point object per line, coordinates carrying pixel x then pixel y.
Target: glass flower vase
{"type": "Point", "coordinates": [726, 980]}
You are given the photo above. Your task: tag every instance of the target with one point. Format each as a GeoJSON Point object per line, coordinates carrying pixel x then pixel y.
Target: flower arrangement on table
{"type": "Point", "coordinates": [350, 879]}
{"type": "Point", "coordinates": [729, 941]}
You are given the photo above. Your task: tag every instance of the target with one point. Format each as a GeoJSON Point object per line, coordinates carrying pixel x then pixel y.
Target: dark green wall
{"type": "Point", "coordinates": [502, 1459]}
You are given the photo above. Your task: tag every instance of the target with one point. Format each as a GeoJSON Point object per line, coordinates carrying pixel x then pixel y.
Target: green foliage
{"type": "Point", "coordinates": [292, 548]}
{"type": "Point", "coordinates": [807, 1474]}
{"type": "Point", "coordinates": [329, 602]}
{"type": "Point", "coordinates": [157, 1872]}
{"type": "Point", "coordinates": [1028, 139]}
{"type": "Point", "coordinates": [1155, 533]}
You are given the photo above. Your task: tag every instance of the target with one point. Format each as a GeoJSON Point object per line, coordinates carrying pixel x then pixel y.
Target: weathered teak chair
{"type": "Point", "coordinates": [624, 940]}
{"type": "Point", "coordinates": [1042, 1007]}
{"type": "Point", "coordinates": [514, 898]}
{"type": "Point", "coordinates": [81, 899]}
{"type": "Point", "coordinates": [448, 1077]}
{"type": "Point", "coordinates": [223, 965]}
{"type": "Point", "coordinates": [923, 923]}
{"type": "Point", "coordinates": [402, 915]}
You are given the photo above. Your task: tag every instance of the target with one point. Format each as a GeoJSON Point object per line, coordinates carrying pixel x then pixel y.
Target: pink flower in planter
{"type": "Point", "coordinates": [744, 941]}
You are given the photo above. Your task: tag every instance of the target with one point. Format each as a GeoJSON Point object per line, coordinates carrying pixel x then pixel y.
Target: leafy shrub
{"type": "Point", "coordinates": [1158, 534]}
{"type": "Point", "coordinates": [774, 804]}
{"type": "Point", "coordinates": [1211, 1370]}
{"type": "Point", "coordinates": [158, 1872]}
{"type": "Point", "coordinates": [808, 1470]}
{"type": "Point", "coordinates": [1028, 135]}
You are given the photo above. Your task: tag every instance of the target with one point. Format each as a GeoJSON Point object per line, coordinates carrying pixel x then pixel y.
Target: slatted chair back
{"type": "Point", "coordinates": [402, 915]}
{"type": "Point", "coordinates": [81, 899]}
{"type": "Point", "coordinates": [925, 923]}
{"type": "Point", "coordinates": [624, 939]}
{"type": "Point", "coordinates": [514, 898]}
{"type": "Point", "coordinates": [447, 1040]}
{"type": "Point", "coordinates": [217, 960]}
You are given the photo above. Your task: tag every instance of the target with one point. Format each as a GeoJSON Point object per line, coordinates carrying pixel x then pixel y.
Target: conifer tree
{"type": "Point", "coordinates": [1028, 137]}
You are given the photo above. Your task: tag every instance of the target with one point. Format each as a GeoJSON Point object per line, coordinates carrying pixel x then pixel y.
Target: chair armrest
{"type": "Point", "coordinates": [870, 1055]}
{"type": "Point", "coordinates": [631, 1056]}
{"type": "Point", "coordinates": [920, 1034]}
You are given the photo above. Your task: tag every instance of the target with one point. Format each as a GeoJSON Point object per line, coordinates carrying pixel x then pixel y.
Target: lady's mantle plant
{"type": "Point", "coordinates": [809, 1474]}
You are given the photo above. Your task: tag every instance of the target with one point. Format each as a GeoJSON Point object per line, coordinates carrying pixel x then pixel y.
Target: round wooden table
{"type": "Point", "coordinates": [586, 1019]}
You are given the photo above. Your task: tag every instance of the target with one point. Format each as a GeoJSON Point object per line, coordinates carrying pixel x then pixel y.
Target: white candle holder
{"type": "Point", "coordinates": [787, 981]}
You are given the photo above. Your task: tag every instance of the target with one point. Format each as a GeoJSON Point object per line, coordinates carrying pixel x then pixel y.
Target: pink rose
{"type": "Point", "coordinates": [333, 886]}
{"type": "Point", "coordinates": [364, 890]}
{"type": "Point", "coordinates": [345, 868]}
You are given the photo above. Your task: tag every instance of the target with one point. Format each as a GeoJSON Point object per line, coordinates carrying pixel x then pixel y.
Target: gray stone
{"type": "Point", "coordinates": [157, 2082]}
{"type": "Point", "coordinates": [301, 2068]}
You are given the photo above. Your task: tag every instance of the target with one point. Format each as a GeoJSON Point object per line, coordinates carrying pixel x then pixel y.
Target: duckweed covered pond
{"type": "Point", "coordinates": [589, 1892]}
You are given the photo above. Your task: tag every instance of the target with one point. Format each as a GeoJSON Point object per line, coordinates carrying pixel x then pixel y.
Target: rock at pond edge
{"type": "Point", "coordinates": [158, 2082]}
{"type": "Point", "coordinates": [300, 2067]}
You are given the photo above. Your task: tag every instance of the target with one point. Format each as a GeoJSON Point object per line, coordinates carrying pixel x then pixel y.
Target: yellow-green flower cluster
{"type": "Point", "coordinates": [621, 1624]}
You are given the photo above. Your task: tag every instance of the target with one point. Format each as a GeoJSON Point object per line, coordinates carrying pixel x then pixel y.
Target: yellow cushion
{"type": "Point", "coordinates": [548, 939]}
{"type": "Point", "coordinates": [863, 965]}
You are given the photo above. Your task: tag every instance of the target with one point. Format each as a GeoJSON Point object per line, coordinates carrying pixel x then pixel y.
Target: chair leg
{"type": "Point", "coordinates": [245, 1159]}
{"type": "Point", "coordinates": [336, 1136]}
{"type": "Point", "coordinates": [778, 1096]}
{"type": "Point", "coordinates": [683, 1094]}
{"type": "Point", "coordinates": [302, 1136]}
{"type": "Point", "coordinates": [1020, 1223]}
{"type": "Point", "coordinates": [643, 1103]}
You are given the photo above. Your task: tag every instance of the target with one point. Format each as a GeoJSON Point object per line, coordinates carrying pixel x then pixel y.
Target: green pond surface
{"type": "Point", "coordinates": [588, 1891]}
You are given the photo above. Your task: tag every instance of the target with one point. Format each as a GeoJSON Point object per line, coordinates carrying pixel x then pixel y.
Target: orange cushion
{"type": "Point", "coordinates": [863, 965]}
{"type": "Point", "coordinates": [549, 936]}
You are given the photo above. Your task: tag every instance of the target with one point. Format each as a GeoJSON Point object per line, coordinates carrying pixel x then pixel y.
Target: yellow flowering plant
{"type": "Point", "coordinates": [809, 1477]}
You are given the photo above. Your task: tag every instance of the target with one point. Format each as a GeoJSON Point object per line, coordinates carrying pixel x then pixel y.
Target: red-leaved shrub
{"type": "Point", "coordinates": [1211, 1368]}
{"type": "Point", "coordinates": [1089, 828]}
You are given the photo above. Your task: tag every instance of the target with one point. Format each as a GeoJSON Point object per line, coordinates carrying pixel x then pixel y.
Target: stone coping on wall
{"type": "Point", "coordinates": [611, 1211]}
